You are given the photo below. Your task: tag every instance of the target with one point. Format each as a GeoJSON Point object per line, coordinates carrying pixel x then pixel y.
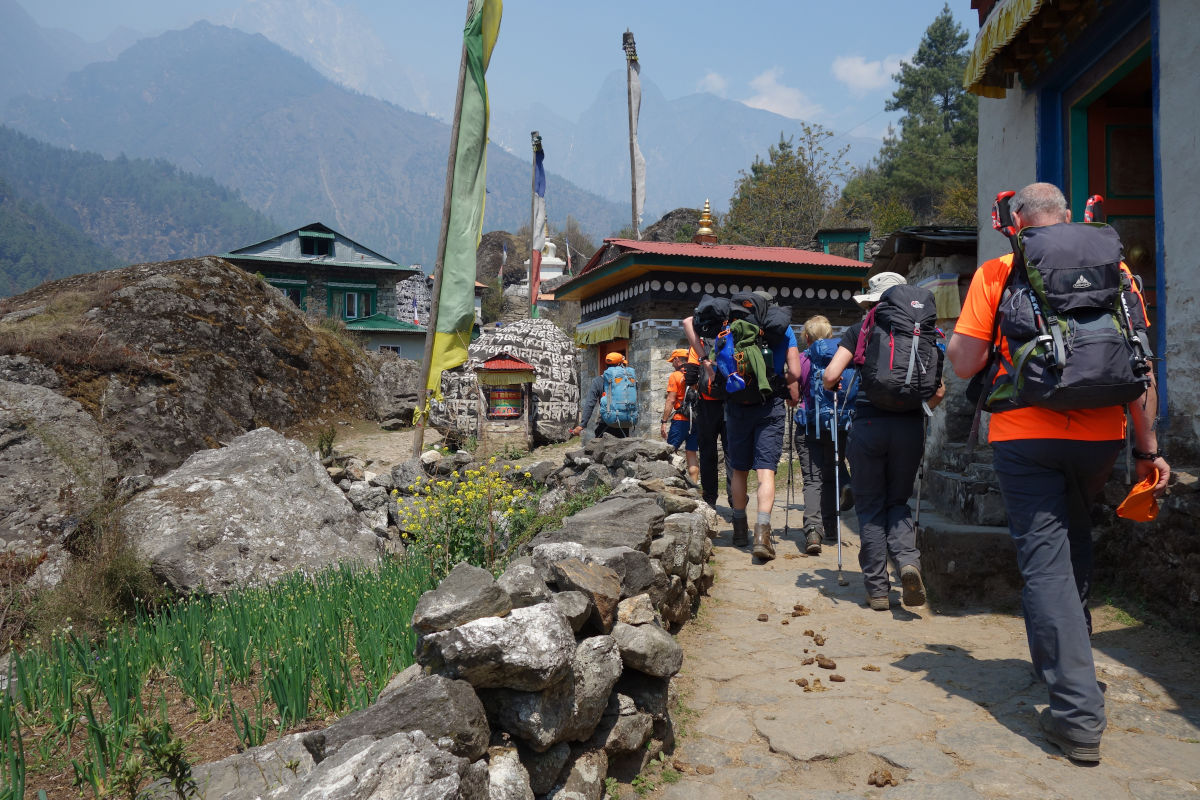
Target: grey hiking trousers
{"type": "Point", "coordinates": [1048, 487]}
{"type": "Point", "coordinates": [884, 453]}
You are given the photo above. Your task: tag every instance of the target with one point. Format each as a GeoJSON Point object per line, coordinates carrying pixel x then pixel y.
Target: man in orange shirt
{"type": "Point", "coordinates": [676, 428]}
{"type": "Point", "coordinates": [1051, 465]}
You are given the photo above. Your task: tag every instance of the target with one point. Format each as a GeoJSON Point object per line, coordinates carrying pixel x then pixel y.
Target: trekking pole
{"type": "Point", "coordinates": [921, 470]}
{"type": "Point", "coordinates": [837, 487]}
{"type": "Point", "coordinates": [791, 444]}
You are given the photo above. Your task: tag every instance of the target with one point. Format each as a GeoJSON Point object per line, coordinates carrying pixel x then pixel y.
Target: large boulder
{"type": "Point", "coordinates": [648, 649]}
{"type": "Point", "coordinates": [442, 708]}
{"type": "Point", "coordinates": [246, 514]}
{"type": "Point", "coordinates": [179, 356]}
{"type": "Point", "coordinates": [54, 464]}
{"type": "Point", "coordinates": [406, 765]}
{"type": "Point", "coordinates": [396, 389]}
{"type": "Point", "coordinates": [566, 712]}
{"type": "Point", "coordinates": [530, 649]}
{"type": "Point", "coordinates": [596, 582]}
{"type": "Point", "coordinates": [253, 773]}
{"type": "Point", "coordinates": [507, 777]}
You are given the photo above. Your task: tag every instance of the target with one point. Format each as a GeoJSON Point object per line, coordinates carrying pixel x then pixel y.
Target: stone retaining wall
{"type": "Point", "coordinates": [540, 683]}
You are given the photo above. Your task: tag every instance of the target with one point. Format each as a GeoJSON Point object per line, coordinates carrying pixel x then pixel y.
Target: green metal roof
{"type": "Point", "coordinates": [324, 262]}
{"type": "Point", "coordinates": [382, 322]}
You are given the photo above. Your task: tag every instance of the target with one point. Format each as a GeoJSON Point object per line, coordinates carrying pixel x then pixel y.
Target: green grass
{"type": "Point", "coordinates": [303, 647]}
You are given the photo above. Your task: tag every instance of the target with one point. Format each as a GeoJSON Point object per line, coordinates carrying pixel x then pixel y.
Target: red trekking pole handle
{"type": "Point", "coordinates": [1094, 210]}
{"type": "Point", "coordinates": [1002, 219]}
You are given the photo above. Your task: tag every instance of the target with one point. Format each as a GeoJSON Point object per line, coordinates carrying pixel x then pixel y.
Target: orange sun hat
{"type": "Point", "coordinates": [1140, 505]}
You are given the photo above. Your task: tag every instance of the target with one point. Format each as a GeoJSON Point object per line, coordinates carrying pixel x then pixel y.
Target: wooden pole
{"type": "Point", "coordinates": [431, 330]}
{"type": "Point", "coordinates": [627, 44]}
{"type": "Point", "coordinates": [536, 141]}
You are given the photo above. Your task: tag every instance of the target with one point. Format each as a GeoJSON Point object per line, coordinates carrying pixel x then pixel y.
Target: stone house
{"type": "Point", "coordinates": [325, 272]}
{"type": "Point", "coordinates": [633, 296]}
{"type": "Point", "coordinates": [1096, 96]}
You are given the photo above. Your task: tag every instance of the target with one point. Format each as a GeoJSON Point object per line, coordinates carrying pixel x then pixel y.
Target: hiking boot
{"type": "Point", "coordinates": [914, 587]}
{"type": "Point", "coordinates": [1076, 751]}
{"type": "Point", "coordinates": [880, 602]}
{"type": "Point", "coordinates": [741, 532]}
{"type": "Point", "coordinates": [764, 548]}
{"type": "Point", "coordinates": [813, 538]}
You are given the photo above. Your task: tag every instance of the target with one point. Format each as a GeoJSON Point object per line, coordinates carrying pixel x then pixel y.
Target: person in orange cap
{"type": "Point", "coordinates": [595, 393]}
{"type": "Point", "coordinates": [677, 425]}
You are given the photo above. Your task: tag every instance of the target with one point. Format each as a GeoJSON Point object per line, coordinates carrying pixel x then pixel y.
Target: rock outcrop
{"type": "Point", "coordinates": [243, 515]}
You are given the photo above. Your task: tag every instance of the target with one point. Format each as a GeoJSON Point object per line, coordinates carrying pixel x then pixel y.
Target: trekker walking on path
{"type": "Point", "coordinates": [709, 426]}
{"type": "Point", "coordinates": [614, 424]}
{"type": "Point", "coordinates": [677, 426]}
{"type": "Point", "coordinates": [814, 436]}
{"type": "Point", "coordinates": [885, 448]}
{"type": "Point", "coordinates": [755, 414]}
{"type": "Point", "coordinates": [1052, 463]}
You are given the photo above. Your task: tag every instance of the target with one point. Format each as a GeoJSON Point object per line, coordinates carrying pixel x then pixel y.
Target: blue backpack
{"type": "Point", "coordinates": [619, 405]}
{"type": "Point", "coordinates": [817, 414]}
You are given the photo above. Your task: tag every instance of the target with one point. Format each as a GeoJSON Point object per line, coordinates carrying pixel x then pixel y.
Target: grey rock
{"type": "Point", "coordinates": [507, 777]}
{"type": "Point", "coordinates": [383, 480]}
{"type": "Point", "coordinates": [585, 779]}
{"type": "Point", "coordinates": [594, 476]}
{"type": "Point", "coordinates": [396, 388]}
{"type": "Point", "coordinates": [544, 556]}
{"type": "Point", "coordinates": [54, 463]}
{"type": "Point", "coordinates": [215, 522]}
{"type": "Point", "coordinates": [442, 708]}
{"type": "Point", "coordinates": [406, 764]}
{"type": "Point", "coordinates": [613, 522]}
{"type": "Point", "coordinates": [406, 476]}
{"type": "Point", "coordinates": [637, 610]}
{"type": "Point", "coordinates": [255, 772]}
{"type": "Point", "coordinates": [523, 584]}
{"type": "Point", "coordinates": [597, 582]}
{"type": "Point", "coordinates": [648, 649]}
{"type": "Point", "coordinates": [466, 593]}
{"type": "Point", "coordinates": [673, 503]}
{"type": "Point", "coordinates": [552, 500]}
{"type": "Point", "coordinates": [567, 711]}
{"type": "Point", "coordinates": [23, 369]}
{"type": "Point", "coordinates": [616, 452]}
{"type": "Point", "coordinates": [544, 768]}
{"type": "Point", "coordinates": [649, 694]}
{"type": "Point", "coordinates": [633, 567]}
{"type": "Point", "coordinates": [576, 606]}
{"type": "Point", "coordinates": [648, 470]}
{"type": "Point", "coordinates": [540, 472]}
{"type": "Point", "coordinates": [530, 649]}
{"type": "Point", "coordinates": [623, 728]}
{"type": "Point", "coordinates": [365, 497]}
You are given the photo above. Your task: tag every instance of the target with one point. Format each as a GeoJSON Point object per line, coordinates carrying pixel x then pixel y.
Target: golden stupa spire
{"type": "Point", "coordinates": [706, 234]}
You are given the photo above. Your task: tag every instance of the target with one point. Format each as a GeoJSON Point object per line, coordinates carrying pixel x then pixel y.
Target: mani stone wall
{"type": "Point", "coordinates": [556, 388]}
{"type": "Point", "coordinates": [416, 288]}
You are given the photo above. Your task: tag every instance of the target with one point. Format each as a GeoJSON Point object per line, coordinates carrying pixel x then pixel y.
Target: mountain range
{"type": "Point", "coordinates": [288, 137]}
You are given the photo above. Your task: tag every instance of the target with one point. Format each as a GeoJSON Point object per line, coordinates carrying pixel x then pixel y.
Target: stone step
{"type": "Point", "coordinates": [971, 497]}
{"type": "Point", "coordinates": [967, 564]}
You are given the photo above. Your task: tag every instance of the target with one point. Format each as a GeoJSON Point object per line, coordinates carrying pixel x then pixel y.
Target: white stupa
{"type": "Point", "coordinates": [552, 265]}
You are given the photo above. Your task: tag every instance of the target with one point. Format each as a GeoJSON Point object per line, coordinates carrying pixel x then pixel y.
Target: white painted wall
{"type": "Point", "coordinates": [1179, 82]}
{"type": "Point", "coordinates": [1007, 158]}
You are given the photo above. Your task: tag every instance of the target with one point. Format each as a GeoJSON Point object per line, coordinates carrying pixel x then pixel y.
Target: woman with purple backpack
{"type": "Point", "coordinates": [900, 374]}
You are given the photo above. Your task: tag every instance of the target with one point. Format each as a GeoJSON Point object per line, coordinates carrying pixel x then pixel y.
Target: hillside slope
{"type": "Point", "coordinates": [136, 209]}
{"type": "Point", "coordinates": [241, 110]}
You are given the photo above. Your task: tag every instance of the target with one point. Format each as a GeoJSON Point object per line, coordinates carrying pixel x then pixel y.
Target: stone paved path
{"type": "Point", "coordinates": [944, 702]}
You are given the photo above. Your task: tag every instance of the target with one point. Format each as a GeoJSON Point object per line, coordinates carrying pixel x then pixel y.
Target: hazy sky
{"type": "Point", "coordinates": [819, 61]}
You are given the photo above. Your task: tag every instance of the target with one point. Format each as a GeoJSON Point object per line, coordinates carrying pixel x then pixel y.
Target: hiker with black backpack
{"type": "Point", "coordinates": [756, 353]}
{"type": "Point", "coordinates": [614, 392]}
{"type": "Point", "coordinates": [821, 421]}
{"type": "Point", "coordinates": [899, 363]}
{"type": "Point", "coordinates": [1054, 338]}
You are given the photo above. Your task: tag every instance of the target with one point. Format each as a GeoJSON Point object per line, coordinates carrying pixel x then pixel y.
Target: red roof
{"type": "Point", "coordinates": [721, 252]}
{"type": "Point", "coordinates": [503, 362]}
